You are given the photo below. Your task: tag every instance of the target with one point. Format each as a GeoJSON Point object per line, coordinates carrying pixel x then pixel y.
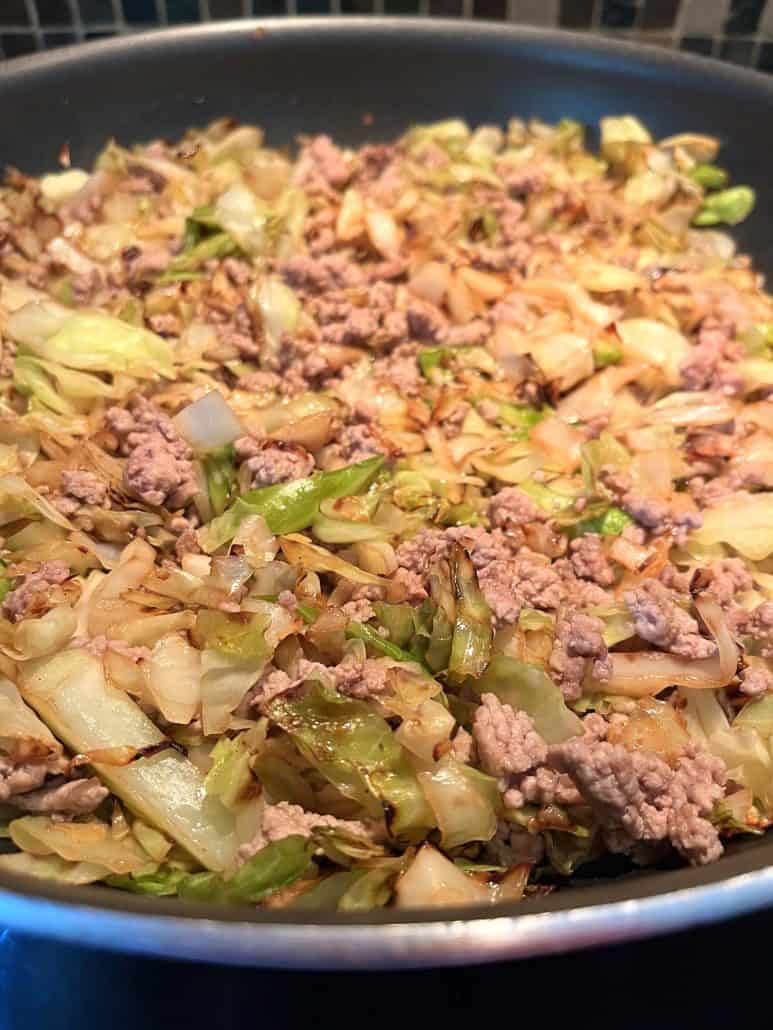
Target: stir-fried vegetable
{"type": "Point", "coordinates": [352, 746]}
{"type": "Point", "coordinates": [471, 641]}
{"type": "Point", "coordinates": [70, 694]}
{"type": "Point", "coordinates": [376, 530]}
{"type": "Point", "coordinates": [289, 507]}
{"type": "Point", "coordinates": [90, 342]}
{"type": "Point", "coordinates": [527, 688]}
{"type": "Point", "coordinates": [731, 206]}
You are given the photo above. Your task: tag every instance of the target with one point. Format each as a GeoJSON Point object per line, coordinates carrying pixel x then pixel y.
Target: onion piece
{"type": "Point", "coordinates": [463, 305]}
{"type": "Point", "coordinates": [208, 423]}
{"type": "Point", "coordinates": [432, 281]}
{"type": "Point", "coordinates": [565, 359]}
{"type": "Point", "coordinates": [699, 147]}
{"type": "Point", "coordinates": [259, 543]}
{"type": "Point", "coordinates": [423, 729]}
{"type": "Point", "coordinates": [146, 630]}
{"type": "Point", "coordinates": [351, 216]}
{"type": "Point", "coordinates": [21, 732]}
{"type": "Point", "coordinates": [574, 296]}
{"type": "Point", "coordinates": [631, 556]}
{"type": "Point", "coordinates": [652, 472]}
{"type": "Point", "coordinates": [433, 880]}
{"type": "Point", "coordinates": [646, 673]}
{"type": "Point", "coordinates": [224, 682]}
{"type": "Point", "coordinates": [688, 408]}
{"type": "Point", "coordinates": [376, 556]}
{"type": "Point", "coordinates": [562, 443]}
{"type": "Point", "coordinates": [384, 232]}
{"type": "Point", "coordinates": [71, 695]}
{"type": "Point", "coordinates": [58, 187]}
{"type": "Point", "coordinates": [744, 522]}
{"type": "Point", "coordinates": [597, 396]}
{"type": "Point", "coordinates": [65, 254]}
{"type": "Point", "coordinates": [118, 756]}
{"type": "Point", "coordinates": [279, 310]}
{"type": "Point", "coordinates": [486, 285]}
{"type": "Point", "coordinates": [299, 551]}
{"type": "Point", "coordinates": [90, 842]}
{"type": "Point", "coordinates": [605, 277]}
{"type": "Point", "coordinates": [654, 344]}
{"type": "Point", "coordinates": [134, 567]}
{"type": "Point", "coordinates": [174, 679]}
{"type": "Point", "coordinates": [311, 432]}
{"type": "Point", "coordinates": [33, 638]}
{"type": "Point", "coordinates": [229, 575]}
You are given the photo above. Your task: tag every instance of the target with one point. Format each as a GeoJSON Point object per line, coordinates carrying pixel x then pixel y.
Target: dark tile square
{"type": "Point", "coordinates": [357, 6]}
{"type": "Point", "coordinates": [575, 14]}
{"type": "Point", "coordinates": [268, 7]}
{"type": "Point", "coordinates": [446, 8]}
{"type": "Point", "coordinates": [743, 18]}
{"type": "Point", "coordinates": [225, 8]}
{"type": "Point", "coordinates": [490, 9]}
{"type": "Point", "coordinates": [55, 39]}
{"type": "Point", "coordinates": [738, 51]}
{"type": "Point", "coordinates": [401, 6]}
{"type": "Point", "coordinates": [17, 44]}
{"type": "Point", "coordinates": [54, 12]}
{"type": "Point", "coordinates": [659, 14]}
{"type": "Point", "coordinates": [180, 12]}
{"type": "Point", "coordinates": [697, 44]}
{"type": "Point", "coordinates": [99, 35]}
{"type": "Point", "coordinates": [13, 12]}
{"type": "Point", "coordinates": [93, 11]}
{"type": "Point", "coordinates": [618, 14]}
{"type": "Point", "coordinates": [313, 7]}
{"type": "Point", "coordinates": [140, 12]}
{"type": "Point", "coordinates": [765, 58]}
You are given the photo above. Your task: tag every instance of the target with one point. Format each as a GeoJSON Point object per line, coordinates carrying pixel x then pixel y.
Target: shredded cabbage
{"type": "Point", "coordinates": [89, 341]}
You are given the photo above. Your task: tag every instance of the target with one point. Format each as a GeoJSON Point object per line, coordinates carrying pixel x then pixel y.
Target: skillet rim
{"type": "Point", "coordinates": [585, 42]}
{"type": "Point", "coordinates": [627, 907]}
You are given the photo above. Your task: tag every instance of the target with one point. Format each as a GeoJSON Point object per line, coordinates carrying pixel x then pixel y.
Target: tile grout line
{"type": "Point", "coordinates": [34, 26]}
{"type": "Point", "coordinates": [120, 20]}
{"type": "Point", "coordinates": [78, 27]}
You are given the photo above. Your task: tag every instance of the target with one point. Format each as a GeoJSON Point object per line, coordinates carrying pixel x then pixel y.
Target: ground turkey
{"type": "Point", "coordinates": [664, 624]}
{"type": "Point", "coordinates": [31, 597]}
{"type": "Point", "coordinates": [159, 465]}
{"type": "Point", "coordinates": [273, 461]}
{"type": "Point", "coordinates": [636, 796]}
{"type": "Point", "coordinates": [285, 820]}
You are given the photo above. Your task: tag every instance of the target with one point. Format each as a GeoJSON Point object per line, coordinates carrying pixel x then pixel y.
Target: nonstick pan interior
{"type": "Point", "coordinates": [361, 80]}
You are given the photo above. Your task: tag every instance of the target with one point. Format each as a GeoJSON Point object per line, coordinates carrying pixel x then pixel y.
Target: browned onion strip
{"type": "Point", "coordinates": [646, 673]}
{"type": "Point", "coordinates": [714, 617]}
{"type": "Point", "coordinates": [117, 756]}
{"type": "Point", "coordinates": [311, 431]}
{"type": "Point", "coordinates": [122, 756]}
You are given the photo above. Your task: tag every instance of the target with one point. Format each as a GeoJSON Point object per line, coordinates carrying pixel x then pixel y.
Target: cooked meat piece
{"type": "Point", "coordinates": [31, 596]}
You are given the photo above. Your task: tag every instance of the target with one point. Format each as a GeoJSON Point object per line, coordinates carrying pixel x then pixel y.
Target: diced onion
{"type": "Point", "coordinates": [432, 880]}
{"type": "Point", "coordinates": [208, 423]}
{"type": "Point", "coordinates": [174, 679]}
{"type": "Point", "coordinates": [646, 673]}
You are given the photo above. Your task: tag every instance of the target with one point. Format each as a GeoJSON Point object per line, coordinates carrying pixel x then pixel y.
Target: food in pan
{"type": "Point", "coordinates": [382, 526]}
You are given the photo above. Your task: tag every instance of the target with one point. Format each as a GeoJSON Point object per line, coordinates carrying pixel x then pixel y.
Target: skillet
{"type": "Point", "coordinates": [326, 75]}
